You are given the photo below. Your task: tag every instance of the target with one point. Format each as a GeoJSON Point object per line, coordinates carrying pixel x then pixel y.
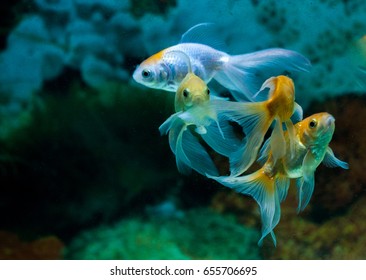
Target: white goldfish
{"type": "Point", "coordinates": [269, 185]}
{"type": "Point", "coordinates": [241, 74]}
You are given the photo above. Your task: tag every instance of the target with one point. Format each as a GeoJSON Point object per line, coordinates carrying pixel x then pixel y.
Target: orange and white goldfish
{"type": "Point", "coordinates": [241, 74]}
{"type": "Point", "coordinates": [193, 110]}
{"type": "Point", "coordinates": [257, 117]}
{"type": "Point", "coordinates": [269, 185]}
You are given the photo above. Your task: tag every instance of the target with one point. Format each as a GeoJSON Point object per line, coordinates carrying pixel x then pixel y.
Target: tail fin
{"type": "Point", "coordinates": [244, 74]}
{"type": "Point", "coordinates": [189, 153]}
{"type": "Point", "coordinates": [255, 120]}
{"type": "Point", "coordinates": [267, 192]}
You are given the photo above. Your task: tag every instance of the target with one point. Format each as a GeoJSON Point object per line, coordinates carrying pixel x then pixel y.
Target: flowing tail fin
{"type": "Point", "coordinates": [267, 191]}
{"type": "Point", "coordinates": [255, 120]}
{"type": "Point", "coordinates": [189, 153]}
{"type": "Point", "coordinates": [244, 74]}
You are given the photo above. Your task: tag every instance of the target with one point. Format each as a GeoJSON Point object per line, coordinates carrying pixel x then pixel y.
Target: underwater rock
{"type": "Point", "coordinates": [200, 234]}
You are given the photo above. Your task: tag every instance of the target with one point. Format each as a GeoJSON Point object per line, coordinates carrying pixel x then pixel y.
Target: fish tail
{"type": "Point", "coordinates": [244, 74]}
{"type": "Point", "coordinates": [263, 189]}
{"type": "Point", "coordinates": [189, 152]}
{"type": "Point", "coordinates": [255, 119]}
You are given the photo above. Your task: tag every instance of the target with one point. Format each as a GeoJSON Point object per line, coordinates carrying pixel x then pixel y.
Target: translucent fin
{"type": "Point", "coordinates": [244, 74]}
{"type": "Point", "coordinates": [298, 114]}
{"type": "Point", "coordinates": [262, 189]}
{"type": "Point", "coordinates": [182, 161]}
{"type": "Point", "coordinates": [203, 33]}
{"type": "Point", "coordinates": [305, 189]}
{"type": "Point", "coordinates": [282, 185]}
{"type": "Point", "coordinates": [223, 145]}
{"type": "Point", "coordinates": [255, 120]}
{"type": "Point", "coordinates": [167, 125]}
{"type": "Point", "coordinates": [277, 141]}
{"type": "Point", "coordinates": [330, 160]}
{"type": "Point", "coordinates": [292, 137]}
{"type": "Point", "coordinates": [189, 153]}
{"type": "Point", "coordinates": [264, 152]}
{"type": "Point", "coordinates": [305, 184]}
{"type": "Point", "coordinates": [198, 158]}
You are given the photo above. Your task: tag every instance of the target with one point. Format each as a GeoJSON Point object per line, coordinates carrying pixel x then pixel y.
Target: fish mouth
{"type": "Point", "coordinates": [330, 120]}
{"type": "Point", "coordinates": [328, 124]}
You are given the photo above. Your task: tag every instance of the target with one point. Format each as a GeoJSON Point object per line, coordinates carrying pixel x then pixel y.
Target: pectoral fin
{"type": "Point", "coordinates": [305, 184]}
{"type": "Point", "coordinates": [330, 160]}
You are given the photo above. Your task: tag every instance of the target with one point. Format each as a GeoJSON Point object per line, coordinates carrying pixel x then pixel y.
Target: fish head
{"type": "Point", "coordinates": [317, 129]}
{"type": "Point", "coordinates": [154, 73]}
{"type": "Point", "coordinates": [192, 91]}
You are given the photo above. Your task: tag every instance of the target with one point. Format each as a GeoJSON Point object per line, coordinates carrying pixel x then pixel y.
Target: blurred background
{"type": "Point", "coordinates": [84, 172]}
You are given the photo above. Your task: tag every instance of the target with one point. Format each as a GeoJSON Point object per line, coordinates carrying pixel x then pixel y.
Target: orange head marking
{"type": "Point", "coordinates": [155, 58]}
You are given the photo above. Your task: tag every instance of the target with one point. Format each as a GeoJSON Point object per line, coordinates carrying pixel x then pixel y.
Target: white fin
{"type": "Point", "coordinates": [330, 160]}
{"type": "Point", "coordinates": [222, 139]}
{"type": "Point", "coordinates": [176, 141]}
{"type": "Point", "coordinates": [255, 121]}
{"type": "Point", "coordinates": [282, 185]}
{"type": "Point", "coordinates": [297, 116]}
{"type": "Point", "coordinates": [203, 33]}
{"type": "Point", "coordinates": [291, 131]}
{"type": "Point", "coordinates": [189, 153]}
{"type": "Point", "coordinates": [277, 141]}
{"type": "Point", "coordinates": [244, 74]}
{"type": "Point", "coordinates": [199, 159]}
{"type": "Point", "coordinates": [305, 184]}
{"type": "Point", "coordinates": [167, 125]}
{"type": "Point", "coordinates": [263, 190]}
{"type": "Point", "coordinates": [264, 152]}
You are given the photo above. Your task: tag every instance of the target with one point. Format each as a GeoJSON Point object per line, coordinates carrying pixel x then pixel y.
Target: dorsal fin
{"type": "Point", "coordinates": [203, 33]}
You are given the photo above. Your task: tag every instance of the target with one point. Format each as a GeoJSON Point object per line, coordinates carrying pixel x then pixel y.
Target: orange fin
{"type": "Point", "coordinates": [264, 190]}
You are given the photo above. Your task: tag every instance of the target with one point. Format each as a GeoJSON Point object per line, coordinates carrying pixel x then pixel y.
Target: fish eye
{"type": "Point", "coordinates": [185, 92]}
{"type": "Point", "coordinates": [208, 91]}
{"type": "Point", "coordinates": [146, 73]}
{"type": "Point", "coordinates": [313, 123]}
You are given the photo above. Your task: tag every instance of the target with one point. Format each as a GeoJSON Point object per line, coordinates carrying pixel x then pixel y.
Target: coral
{"type": "Point", "coordinates": [199, 234]}
{"type": "Point", "coordinates": [45, 248]}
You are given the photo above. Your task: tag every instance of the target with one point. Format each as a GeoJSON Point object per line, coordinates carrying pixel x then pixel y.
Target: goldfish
{"type": "Point", "coordinates": [241, 74]}
{"type": "Point", "coordinates": [269, 185]}
{"type": "Point", "coordinates": [257, 117]}
{"type": "Point", "coordinates": [195, 121]}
